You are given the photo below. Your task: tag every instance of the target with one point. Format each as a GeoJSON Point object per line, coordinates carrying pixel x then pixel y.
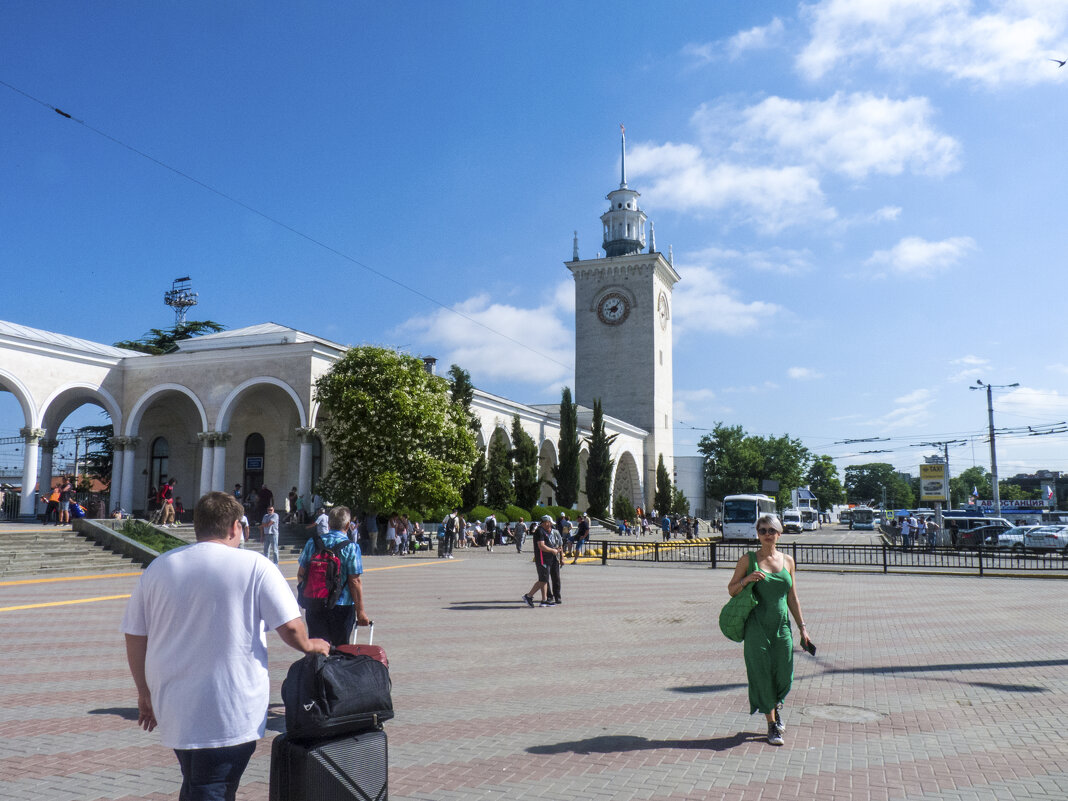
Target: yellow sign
{"type": "Point", "coordinates": [933, 482]}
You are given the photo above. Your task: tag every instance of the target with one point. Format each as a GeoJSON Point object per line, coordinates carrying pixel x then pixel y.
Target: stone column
{"type": "Point", "coordinates": [28, 502]}
{"type": "Point", "coordinates": [218, 466]}
{"type": "Point", "coordinates": [304, 435]}
{"type": "Point", "coordinates": [48, 447]}
{"type": "Point", "coordinates": [129, 464]}
{"type": "Point", "coordinates": [207, 453]}
{"type": "Point", "coordinates": [117, 461]}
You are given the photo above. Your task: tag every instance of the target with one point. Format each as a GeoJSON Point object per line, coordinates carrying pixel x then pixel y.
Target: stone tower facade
{"type": "Point", "coordinates": [623, 310]}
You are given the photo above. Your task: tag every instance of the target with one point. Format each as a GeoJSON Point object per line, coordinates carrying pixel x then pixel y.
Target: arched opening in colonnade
{"type": "Point", "coordinates": [626, 482]}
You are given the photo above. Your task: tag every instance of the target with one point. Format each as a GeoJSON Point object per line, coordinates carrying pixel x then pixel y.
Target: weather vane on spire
{"type": "Point", "coordinates": [623, 161]}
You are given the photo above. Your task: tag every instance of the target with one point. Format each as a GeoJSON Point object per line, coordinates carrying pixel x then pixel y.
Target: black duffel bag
{"type": "Point", "coordinates": [336, 694]}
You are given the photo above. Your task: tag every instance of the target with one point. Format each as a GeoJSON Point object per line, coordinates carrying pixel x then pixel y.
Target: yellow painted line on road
{"type": "Point", "coordinates": [63, 603]}
{"type": "Point", "coordinates": [16, 583]}
{"type": "Point", "coordinates": [406, 564]}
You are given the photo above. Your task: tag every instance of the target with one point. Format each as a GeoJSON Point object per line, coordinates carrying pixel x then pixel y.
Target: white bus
{"type": "Point", "coordinates": [810, 519]}
{"type": "Point", "coordinates": [740, 513]}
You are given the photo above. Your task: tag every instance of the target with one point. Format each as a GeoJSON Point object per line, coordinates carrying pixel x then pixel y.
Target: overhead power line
{"type": "Point", "coordinates": [295, 231]}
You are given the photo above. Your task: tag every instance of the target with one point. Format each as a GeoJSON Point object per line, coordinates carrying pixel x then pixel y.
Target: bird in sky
{"type": "Point", "coordinates": [1059, 62]}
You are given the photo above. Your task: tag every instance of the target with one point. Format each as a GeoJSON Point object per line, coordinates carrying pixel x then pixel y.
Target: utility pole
{"type": "Point", "coordinates": [993, 448]}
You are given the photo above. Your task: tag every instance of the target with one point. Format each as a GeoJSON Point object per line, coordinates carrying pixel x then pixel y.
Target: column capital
{"type": "Point", "coordinates": [305, 433]}
{"type": "Point", "coordinates": [32, 435]}
{"type": "Point", "coordinates": [130, 442]}
{"type": "Point", "coordinates": [207, 437]}
{"type": "Point", "coordinates": [49, 445]}
{"type": "Point", "coordinates": [222, 437]}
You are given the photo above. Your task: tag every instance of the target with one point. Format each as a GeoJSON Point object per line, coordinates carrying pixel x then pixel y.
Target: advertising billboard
{"type": "Point", "coordinates": [934, 483]}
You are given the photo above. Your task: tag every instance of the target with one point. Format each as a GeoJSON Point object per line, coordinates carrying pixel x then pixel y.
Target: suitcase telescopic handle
{"type": "Point", "coordinates": [370, 633]}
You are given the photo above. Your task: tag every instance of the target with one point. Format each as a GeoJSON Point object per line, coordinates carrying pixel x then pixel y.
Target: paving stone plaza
{"type": "Point", "coordinates": [925, 687]}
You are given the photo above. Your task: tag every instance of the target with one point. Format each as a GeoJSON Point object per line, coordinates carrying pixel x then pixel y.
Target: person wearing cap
{"type": "Point", "coordinates": [547, 558]}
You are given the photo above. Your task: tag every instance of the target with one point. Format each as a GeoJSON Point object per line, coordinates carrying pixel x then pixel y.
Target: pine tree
{"type": "Point", "coordinates": [566, 472]}
{"type": "Point", "coordinates": [525, 469]}
{"type": "Point", "coordinates": [599, 466]}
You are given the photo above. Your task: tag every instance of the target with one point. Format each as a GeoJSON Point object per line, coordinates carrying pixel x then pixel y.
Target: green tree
{"type": "Point", "coordinates": [397, 439]}
{"type": "Point", "coordinates": [623, 509]}
{"type": "Point", "coordinates": [972, 478]}
{"type": "Point", "coordinates": [662, 496]}
{"type": "Point", "coordinates": [566, 471]}
{"type": "Point", "coordinates": [99, 455]}
{"type": "Point", "coordinates": [823, 480]}
{"type": "Point", "coordinates": [525, 467]}
{"type": "Point", "coordinates": [165, 340]}
{"type": "Point", "coordinates": [473, 488]}
{"type": "Point", "coordinates": [473, 493]}
{"type": "Point", "coordinates": [864, 484]}
{"type": "Point", "coordinates": [599, 465]}
{"type": "Point", "coordinates": [1014, 492]}
{"type": "Point", "coordinates": [736, 462]}
{"type": "Point", "coordinates": [680, 504]}
{"type": "Point", "coordinates": [499, 489]}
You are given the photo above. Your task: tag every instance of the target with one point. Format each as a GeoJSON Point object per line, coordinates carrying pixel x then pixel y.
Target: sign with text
{"type": "Point", "coordinates": [933, 482]}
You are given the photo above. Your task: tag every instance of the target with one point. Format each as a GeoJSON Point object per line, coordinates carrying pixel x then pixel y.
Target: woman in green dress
{"type": "Point", "coordinates": [769, 644]}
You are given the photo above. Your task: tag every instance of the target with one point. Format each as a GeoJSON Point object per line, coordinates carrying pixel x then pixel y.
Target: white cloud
{"type": "Point", "coordinates": [916, 256]}
{"type": "Point", "coordinates": [1035, 406]}
{"type": "Point", "coordinates": [493, 340]}
{"type": "Point", "coordinates": [759, 38]}
{"type": "Point", "coordinates": [969, 367]}
{"type": "Point", "coordinates": [1005, 44]}
{"type": "Point", "coordinates": [910, 411]}
{"type": "Point", "coordinates": [803, 374]}
{"type": "Point", "coordinates": [704, 303]}
{"type": "Point", "coordinates": [686, 179]}
{"type": "Point", "coordinates": [853, 134]}
{"type": "Point", "coordinates": [693, 404]}
{"type": "Point", "coordinates": [782, 261]}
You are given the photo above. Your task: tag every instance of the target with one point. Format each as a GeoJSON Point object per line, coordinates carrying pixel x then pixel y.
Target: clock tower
{"type": "Point", "coordinates": [623, 310]}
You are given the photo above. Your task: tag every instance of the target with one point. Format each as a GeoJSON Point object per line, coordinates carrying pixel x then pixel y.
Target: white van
{"type": "Point", "coordinates": [791, 521]}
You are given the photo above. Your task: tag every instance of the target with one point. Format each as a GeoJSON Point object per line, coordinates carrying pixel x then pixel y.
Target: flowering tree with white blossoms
{"type": "Point", "coordinates": [397, 440]}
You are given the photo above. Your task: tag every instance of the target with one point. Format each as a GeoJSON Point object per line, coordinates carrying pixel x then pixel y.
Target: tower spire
{"type": "Point", "coordinates": [623, 160]}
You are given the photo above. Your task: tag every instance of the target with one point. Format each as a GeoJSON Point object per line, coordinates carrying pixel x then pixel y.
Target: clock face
{"type": "Point", "coordinates": [613, 309]}
{"type": "Point", "coordinates": [662, 310]}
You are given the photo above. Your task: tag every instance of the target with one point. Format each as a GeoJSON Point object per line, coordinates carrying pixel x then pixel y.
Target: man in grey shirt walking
{"type": "Point", "coordinates": [269, 529]}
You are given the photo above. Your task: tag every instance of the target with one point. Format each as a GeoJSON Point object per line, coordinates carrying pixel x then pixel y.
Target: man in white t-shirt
{"type": "Point", "coordinates": [197, 648]}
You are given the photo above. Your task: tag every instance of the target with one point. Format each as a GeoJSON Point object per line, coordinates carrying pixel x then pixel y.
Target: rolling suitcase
{"type": "Point", "coordinates": [352, 766]}
{"type": "Point", "coordinates": [376, 652]}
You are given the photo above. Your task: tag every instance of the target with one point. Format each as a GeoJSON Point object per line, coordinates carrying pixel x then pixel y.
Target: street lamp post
{"type": "Point", "coordinates": [993, 450]}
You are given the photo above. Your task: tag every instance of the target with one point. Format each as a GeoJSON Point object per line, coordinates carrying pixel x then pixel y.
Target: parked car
{"type": "Point", "coordinates": [971, 538]}
{"type": "Point", "coordinates": [1031, 538]}
{"type": "Point", "coordinates": [1047, 538]}
{"type": "Point", "coordinates": [791, 521]}
{"type": "Point", "coordinates": [1008, 540]}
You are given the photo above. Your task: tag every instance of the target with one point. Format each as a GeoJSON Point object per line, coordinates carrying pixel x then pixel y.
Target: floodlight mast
{"type": "Point", "coordinates": [180, 297]}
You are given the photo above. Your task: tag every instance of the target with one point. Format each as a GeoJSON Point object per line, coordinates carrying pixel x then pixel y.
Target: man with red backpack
{"type": "Point", "coordinates": [328, 581]}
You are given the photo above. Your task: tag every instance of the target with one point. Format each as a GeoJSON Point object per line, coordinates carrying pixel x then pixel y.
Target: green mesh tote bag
{"type": "Point", "coordinates": [736, 611]}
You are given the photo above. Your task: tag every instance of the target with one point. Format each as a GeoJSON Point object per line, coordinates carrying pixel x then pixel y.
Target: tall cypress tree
{"type": "Point", "coordinates": [566, 472]}
{"type": "Point", "coordinates": [662, 499]}
{"type": "Point", "coordinates": [525, 469]}
{"type": "Point", "coordinates": [473, 492]}
{"type": "Point", "coordinates": [599, 465]}
{"type": "Point", "coordinates": [499, 490]}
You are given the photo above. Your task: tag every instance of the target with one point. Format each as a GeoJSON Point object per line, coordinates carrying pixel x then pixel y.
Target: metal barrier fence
{"type": "Point", "coordinates": [873, 558]}
{"type": "Point", "coordinates": [9, 504]}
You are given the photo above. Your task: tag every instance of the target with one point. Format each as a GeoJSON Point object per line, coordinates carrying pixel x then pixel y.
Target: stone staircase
{"type": "Point", "coordinates": [54, 552]}
{"type": "Point", "coordinates": [291, 541]}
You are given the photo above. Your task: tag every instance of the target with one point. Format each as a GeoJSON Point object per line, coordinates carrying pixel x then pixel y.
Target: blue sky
{"type": "Point", "coordinates": [864, 199]}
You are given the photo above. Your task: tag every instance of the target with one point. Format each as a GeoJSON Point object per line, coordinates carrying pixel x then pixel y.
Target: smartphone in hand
{"type": "Point", "coordinates": [809, 646]}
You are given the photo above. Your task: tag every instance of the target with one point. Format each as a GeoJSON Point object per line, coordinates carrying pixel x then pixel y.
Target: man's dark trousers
{"type": "Point", "coordinates": [213, 774]}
